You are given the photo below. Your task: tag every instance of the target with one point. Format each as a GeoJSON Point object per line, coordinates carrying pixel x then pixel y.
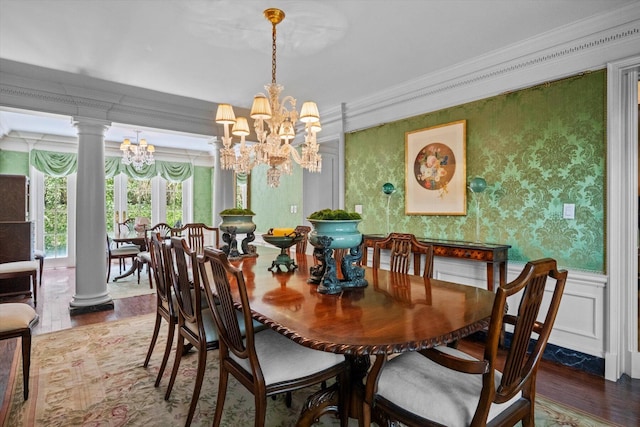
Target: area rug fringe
{"type": "Point", "coordinates": [93, 375]}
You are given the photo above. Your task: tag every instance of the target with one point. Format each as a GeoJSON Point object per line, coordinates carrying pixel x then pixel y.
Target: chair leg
{"type": "Point", "coordinates": [26, 362]}
{"type": "Point", "coordinates": [40, 270]}
{"type": "Point", "coordinates": [108, 268]}
{"type": "Point", "coordinates": [154, 337]}
{"type": "Point", "coordinates": [261, 409]}
{"type": "Point", "coordinates": [202, 363]}
{"type": "Point", "coordinates": [222, 392]}
{"type": "Point", "coordinates": [176, 365]}
{"type": "Point", "coordinates": [167, 351]}
{"type": "Point", "coordinates": [149, 273]}
{"type": "Point", "coordinates": [34, 281]}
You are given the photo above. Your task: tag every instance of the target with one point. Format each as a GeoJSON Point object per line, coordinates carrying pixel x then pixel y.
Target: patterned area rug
{"type": "Point", "coordinates": [93, 375]}
{"type": "Point", "coordinates": [129, 286]}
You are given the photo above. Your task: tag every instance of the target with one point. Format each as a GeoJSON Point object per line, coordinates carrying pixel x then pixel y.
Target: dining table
{"type": "Point", "coordinates": [394, 313]}
{"type": "Point", "coordinates": [134, 238]}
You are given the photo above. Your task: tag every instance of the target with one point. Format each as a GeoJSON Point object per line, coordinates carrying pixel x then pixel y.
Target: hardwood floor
{"type": "Point", "coordinates": [617, 402]}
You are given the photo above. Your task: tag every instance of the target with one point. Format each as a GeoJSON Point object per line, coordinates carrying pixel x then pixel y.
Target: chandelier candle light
{"type": "Point", "coordinates": [273, 146]}
{"type": "Point", "coordinates": [138, 154]}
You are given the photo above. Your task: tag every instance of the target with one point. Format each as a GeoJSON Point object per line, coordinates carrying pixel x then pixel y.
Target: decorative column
{"type": "Point", "coordinates": [91, 230]}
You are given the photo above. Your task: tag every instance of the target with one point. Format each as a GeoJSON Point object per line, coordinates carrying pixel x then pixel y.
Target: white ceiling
{"type": "Point", "coordinates": [332, 52]}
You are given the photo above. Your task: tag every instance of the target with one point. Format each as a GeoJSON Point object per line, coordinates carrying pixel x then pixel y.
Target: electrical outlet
{"type": "Point", "coordinates": [358, 209]}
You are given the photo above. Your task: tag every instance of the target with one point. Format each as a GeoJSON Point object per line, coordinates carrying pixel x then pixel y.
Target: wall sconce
{"type": "Point", "coordinates": [388, 189]}
{"type": "Point", "coordinates": [477, 186]}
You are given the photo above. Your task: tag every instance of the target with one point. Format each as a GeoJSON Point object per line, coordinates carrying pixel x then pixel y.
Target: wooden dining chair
{"type": "Point", "coordinates": [198, 235]}
{"type": "Point", "coordinates": [16, 321]}
{"type": "Point", "coordinates": [166, 305]}
{"type": "Point", "coordinates": [195, 321]}
{"type": "Point", "coordinates": [445, 386]}
{"type": "Point", "coordinates": [301, 246]}
{"type": "Point", "coordinates": [405, 250]}
{"type": "Point", "coordinates": [119, 253]}
{"type": "Point", "coordinates": [266, 363]}
{"type": "Point", "coordinates": [144, 257]}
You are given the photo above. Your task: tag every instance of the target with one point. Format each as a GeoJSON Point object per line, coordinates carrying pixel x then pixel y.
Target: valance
{"type": "Point", "coordinates": [54, 164]}
{"type": "Point", "coordinates": [63, 164]}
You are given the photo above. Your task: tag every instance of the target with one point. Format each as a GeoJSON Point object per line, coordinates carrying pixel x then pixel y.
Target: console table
{"type": "Point", "coordinates": [494, 255]}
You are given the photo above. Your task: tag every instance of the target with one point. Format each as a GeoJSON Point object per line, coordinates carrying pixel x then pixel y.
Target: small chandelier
{"type": "Point", "coordinates": [138, 154]}
{"type": "Point", "coordinates": [273, 146]}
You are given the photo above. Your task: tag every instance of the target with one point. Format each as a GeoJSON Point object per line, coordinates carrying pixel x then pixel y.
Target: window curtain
{"type": "Point", "coordinates": [63, 164]}
{"type": "Point", "coordinates": [54, 164]}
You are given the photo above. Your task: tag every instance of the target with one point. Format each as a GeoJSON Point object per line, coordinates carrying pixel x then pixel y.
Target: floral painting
{"type": "Point", "coordinates": [435, 173]}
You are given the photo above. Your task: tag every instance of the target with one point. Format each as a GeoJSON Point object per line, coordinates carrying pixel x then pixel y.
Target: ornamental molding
{"type": "Point", "coordinates": [518, 66]}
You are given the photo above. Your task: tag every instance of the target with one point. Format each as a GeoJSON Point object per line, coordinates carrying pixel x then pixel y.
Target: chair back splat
{"type": "Point", "coordinates": [198, 236]}
{"type": "Point", "coordinates": [454, 389]}
{"type": "Point", "coordinates": [404, 249]}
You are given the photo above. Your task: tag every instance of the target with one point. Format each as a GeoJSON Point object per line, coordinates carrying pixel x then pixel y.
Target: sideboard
{"type": "Point", "coordinates": [495, 256]}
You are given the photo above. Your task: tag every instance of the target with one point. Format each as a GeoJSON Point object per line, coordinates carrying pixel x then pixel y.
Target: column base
{"type": "Point", "coordinates": [75, 310]}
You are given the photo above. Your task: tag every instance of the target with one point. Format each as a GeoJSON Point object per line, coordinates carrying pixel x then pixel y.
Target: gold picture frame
{"type": "Point", "coordinates": [436, 170]}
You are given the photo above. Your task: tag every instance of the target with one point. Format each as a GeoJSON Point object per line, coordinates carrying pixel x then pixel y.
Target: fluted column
{"type": "Point", "coordinates": [91, 263]}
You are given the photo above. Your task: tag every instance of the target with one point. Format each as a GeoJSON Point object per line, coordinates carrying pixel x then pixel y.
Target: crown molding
{"type": "Point", "coordinates": [587, 45]}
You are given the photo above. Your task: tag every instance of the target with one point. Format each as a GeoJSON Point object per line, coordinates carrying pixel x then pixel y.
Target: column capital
{"type": "Point", "coordinates": [86, 123]}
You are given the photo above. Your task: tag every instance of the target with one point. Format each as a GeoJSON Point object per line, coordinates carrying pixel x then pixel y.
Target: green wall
{"type": "Point", "coordinates": [537, 148]}
{"type": "Point", "coordinates": [14, 163]}
{"type": "Point", "coordinates": [203, 195]}
{"type": "Point", "coordinates": [273, 205]}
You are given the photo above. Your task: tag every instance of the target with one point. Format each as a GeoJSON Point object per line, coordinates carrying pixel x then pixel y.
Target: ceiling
{"type": "Point", "coordinates": [331, 52]}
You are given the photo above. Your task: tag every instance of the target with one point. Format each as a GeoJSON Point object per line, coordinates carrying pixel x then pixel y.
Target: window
{"type": "Point", "coordinates": [110, 204]}
{"type": "Point", "coordinates": [138, 199]}
{"type": "Point", "coordinates": [55, 217]}
{"type": "Point", "coordinates": [174, 203]}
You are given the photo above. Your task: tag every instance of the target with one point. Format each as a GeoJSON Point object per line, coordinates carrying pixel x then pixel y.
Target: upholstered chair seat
{"type": "Point", "coordinates": [15, 269]}
{"type": "Point", "coordinates": [16, 321]}
{"type": "Point", "coordinates": [411, 379]}
{"type": "Point", "coordinates": [283, 360]}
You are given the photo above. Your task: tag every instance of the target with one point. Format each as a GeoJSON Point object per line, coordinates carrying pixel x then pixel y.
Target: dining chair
{"type": "Point", "coordinates": [119, 253]}
{"type": "Point", "coordinates": [301, 246]}
{"type": "Point", "coordinates": [18, 269]}
{"type": "Point", "coordinates": [266, 363]}
{"type": "Point", "coordinates": [445, 386]}
{"type": "Point", "coordinates": [166, 305]}
{"type": "Point", "coordinates": [404, 250]}
{"type": "Point", "coordinates": [199, 235]}
{"type": "Point", "coordinates": [144, 257]}
{"type": "Point", "coordinates": [125, 228]}
{"type": "Point", "coordinates": [16, 321]}
{"type": "Point", "coordinates": [195, 322]}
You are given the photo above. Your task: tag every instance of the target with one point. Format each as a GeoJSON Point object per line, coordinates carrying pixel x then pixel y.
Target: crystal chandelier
{"type": "Point", "coordinates": [273, 146]}
{"type": "Point", "coordinates": [138, 154]}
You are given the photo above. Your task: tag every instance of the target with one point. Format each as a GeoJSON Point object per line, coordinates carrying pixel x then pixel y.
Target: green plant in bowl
{"type": "Point", "coordinates": [334, 215]}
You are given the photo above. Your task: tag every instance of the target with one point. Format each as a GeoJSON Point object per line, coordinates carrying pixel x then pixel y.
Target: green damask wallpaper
{"type": "Point", "coordinates": [203, 195]}
{"type": "Point", "coordinates": [273, 205]}
{"type": "Point", "coordinates": [14, 162]}
{"type": "Point", "coordinates": [537, 148]}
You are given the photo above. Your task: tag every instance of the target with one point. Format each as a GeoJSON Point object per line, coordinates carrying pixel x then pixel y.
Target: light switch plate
{"type": "Point", "coordinates": [358, 209]}
{"type": "Point", "coordinates": [569, 211]}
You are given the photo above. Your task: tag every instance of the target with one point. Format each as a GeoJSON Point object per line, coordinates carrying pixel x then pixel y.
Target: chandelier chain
{"type": "Point", "coordinates": [273, 54]}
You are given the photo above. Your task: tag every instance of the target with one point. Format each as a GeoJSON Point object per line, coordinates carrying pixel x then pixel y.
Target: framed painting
{"type": "Point", "coordinates": [436, 170]}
